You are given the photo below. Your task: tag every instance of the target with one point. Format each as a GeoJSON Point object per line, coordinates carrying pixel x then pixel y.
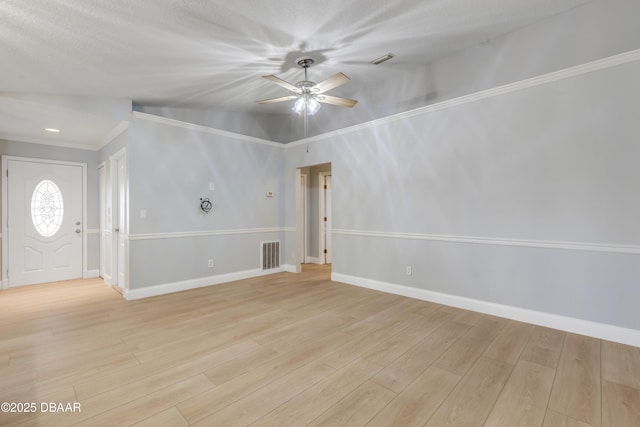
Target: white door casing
{"type": "Point", "coordinates": [45, 239]}
{"type": "Point", "coordinates": [105, 271]}
{"type": "Point", "coordinates": [305, 217]}
{"type": "Point", "coordinates": [121, 222]}
{"type": "Point", "coordinates": [117, 219]}
{"type": "Point", "coordinates": [325, 231]}
{"type": "Point", "coordinates": [328, 226]}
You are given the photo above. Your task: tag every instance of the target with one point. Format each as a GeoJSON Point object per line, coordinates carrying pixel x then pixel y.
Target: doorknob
{"type": "Point", "coordinates": [78, 230]}
{"type": "Point", "coordinates": [117, 230]}
{"type": "Point", "coordinates": [77, 222]}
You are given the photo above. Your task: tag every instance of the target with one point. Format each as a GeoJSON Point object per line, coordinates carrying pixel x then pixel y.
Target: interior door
{"type": "Point", "coordinates": [44, 223]}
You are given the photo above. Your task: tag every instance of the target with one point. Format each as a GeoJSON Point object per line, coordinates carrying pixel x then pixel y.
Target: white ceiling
{"type": "Point", "coordinates": [211, 53]}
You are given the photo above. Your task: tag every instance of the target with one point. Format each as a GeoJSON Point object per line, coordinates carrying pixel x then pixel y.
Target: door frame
{"type": "Point", "coordinates": [112, 218]}
{"type": "Point", "coordinates": [304, 236]}
{"type": "Point", "coordinates": [103, 184]}
{"type": "Point", "coordinates": [5, 209]}
{"type": "Point", "coordinates": [322, 195]}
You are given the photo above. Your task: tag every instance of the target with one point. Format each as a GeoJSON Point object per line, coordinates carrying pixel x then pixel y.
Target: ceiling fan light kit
{"type": "Point", "coordinates": [309, 95]}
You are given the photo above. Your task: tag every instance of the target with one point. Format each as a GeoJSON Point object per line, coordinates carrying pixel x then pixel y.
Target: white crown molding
{"type": "Point", "coordinates": [204, 129]}
{"type": "Point", "coordinates": [114, 133]}
{"type": "Point", "coordinates": [167, 288]}
{"type": "Point", "coordinates": [50, 142]}
{"type": "Point", "coordinates": [548, 244]}
{"type": "Point", "coordinates": [549, 320]}
{"type": "Point", "coordinates": [554, 76]}
{"type": "Point", "coordinates": [600, 64]}
{"type": "Point", "coordinates": [204, 233]}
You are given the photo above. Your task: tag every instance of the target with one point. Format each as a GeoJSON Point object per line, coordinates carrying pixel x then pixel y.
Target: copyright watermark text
{"type": "Point", "coordinates": [27, 407]}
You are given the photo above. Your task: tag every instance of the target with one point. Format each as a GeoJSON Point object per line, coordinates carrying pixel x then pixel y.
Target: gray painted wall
{"type": "Point", "coordinates": [170, 169]}
{"type": "Point", "coordinates": [595, 30]}
{"type": "Point", "coordinates": [556, 162]}
{"type": "Point", "coordinates": [272, 127]}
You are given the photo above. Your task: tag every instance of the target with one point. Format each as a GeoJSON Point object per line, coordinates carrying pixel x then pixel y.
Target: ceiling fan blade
{"type": "Point", "coordinates": [333, 81]}
{"type": "Point", "coordinates": [282, 98]}
{"type": "Point", "coordinates": [282, 83]}
{"type": "Point", "coordinates": [334, 100]}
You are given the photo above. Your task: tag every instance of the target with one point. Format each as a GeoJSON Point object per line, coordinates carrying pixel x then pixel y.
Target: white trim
{"type": "Point", "coordinates": [313, 260]}
{"type": "Point", "coordinates": [548, 244]}
{"type": "Point", "coordinates": [597, 65]}
{"type": "Point", "coordinates": [112, 181]}
{"type": "Point", "coordinates": [304, 215]}
{"type": "Point", "coordinates": [288, 268]}
{"type": "Point", "coordinates": [114, 133]}
{"type": "Point", "coordinates": [555, 321]}
{"type": "Point", "coordinates": [107, 279]}
{"type": "Point", "coordinates": [204, 129]}
{"type": "Point", "coordinates": [600, 64]}
{"type": "Point", "coordinates": [167, 288]}
{"type": "Point", "coordinates": [288, 229]}
{"type": "Point", "coordinates": [181, 234]}
{"type": "Point", "coordinates": [50, 142]}
{"type": "Point", "coordinates": [321, 214]}
{"type": "Point", "coordinates": [92, 274]}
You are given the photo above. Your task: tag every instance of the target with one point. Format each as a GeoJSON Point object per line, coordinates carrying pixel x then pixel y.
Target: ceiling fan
{"type": "Point", "coordinates": [308, 94]}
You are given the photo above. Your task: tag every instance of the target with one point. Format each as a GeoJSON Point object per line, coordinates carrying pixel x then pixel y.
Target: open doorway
{"type": "Point", "coordinates": [314, 218]}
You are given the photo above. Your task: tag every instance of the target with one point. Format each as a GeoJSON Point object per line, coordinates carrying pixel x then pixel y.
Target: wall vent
{"type": "Point", "coordinates": [270, 255]}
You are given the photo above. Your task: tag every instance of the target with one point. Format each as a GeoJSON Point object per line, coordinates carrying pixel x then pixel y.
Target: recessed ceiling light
{"type": "Point", "coordinates": [383, 58]}
{"type": "Point", "coordinates": [54, 130]}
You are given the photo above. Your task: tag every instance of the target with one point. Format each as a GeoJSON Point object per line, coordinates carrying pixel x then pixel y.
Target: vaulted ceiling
{"type": "Point", "coordinates": [211, 54]}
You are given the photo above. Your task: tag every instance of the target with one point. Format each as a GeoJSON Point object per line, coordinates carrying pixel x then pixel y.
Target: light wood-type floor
{"type": "Point", "coordinates": [296, 350]}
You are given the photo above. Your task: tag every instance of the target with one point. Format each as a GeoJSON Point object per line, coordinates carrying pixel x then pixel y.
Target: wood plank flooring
{"type": "Point", "coordinates": [298, 350]}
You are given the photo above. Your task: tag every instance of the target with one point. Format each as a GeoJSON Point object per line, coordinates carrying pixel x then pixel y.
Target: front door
{"type": "Point", "coordinates": [44, 224]}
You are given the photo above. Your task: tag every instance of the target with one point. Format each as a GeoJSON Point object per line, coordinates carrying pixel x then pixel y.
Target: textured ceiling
{"type": "Point", "coordinates": [211, 53]}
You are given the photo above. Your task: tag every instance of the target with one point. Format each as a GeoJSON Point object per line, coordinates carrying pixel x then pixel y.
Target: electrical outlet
{"type": "Point", "coordinates": [212, 186]}
{"type": "Point", "coordinates": [408, 272]}
{"type": "Point", "coordinates": [210, 263]}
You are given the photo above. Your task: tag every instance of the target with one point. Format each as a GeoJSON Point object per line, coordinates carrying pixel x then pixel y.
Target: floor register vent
{"type": "Point", "coordinates": [270, 255]}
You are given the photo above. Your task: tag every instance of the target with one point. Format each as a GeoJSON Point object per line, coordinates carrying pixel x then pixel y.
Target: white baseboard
{"type": "Point", "coordinates": [312, 260]}
{"type": "Point", "coordinates": [167, 288]}
{"type": "Point", "coordinates": [91, 274]}
{"type": "Point", "coordinates": [555, 321]}
{"type": "Point", "coordinates": [288, 268]}
{"type": "Point", "coordinates": [107, 279]}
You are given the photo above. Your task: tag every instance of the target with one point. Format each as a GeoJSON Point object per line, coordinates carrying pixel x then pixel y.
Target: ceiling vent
{"type": "Point", "coordinates": [382, 59]}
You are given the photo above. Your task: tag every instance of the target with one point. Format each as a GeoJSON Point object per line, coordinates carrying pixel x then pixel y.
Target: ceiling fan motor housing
{"type": "Point", "coordinates": [305, 61]}
{"type": "Point", "coordinates": [306, 86]}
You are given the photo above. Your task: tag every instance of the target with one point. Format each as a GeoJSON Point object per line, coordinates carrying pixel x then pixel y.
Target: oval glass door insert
{"type": "Point", "coordinates": [47, 208]}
